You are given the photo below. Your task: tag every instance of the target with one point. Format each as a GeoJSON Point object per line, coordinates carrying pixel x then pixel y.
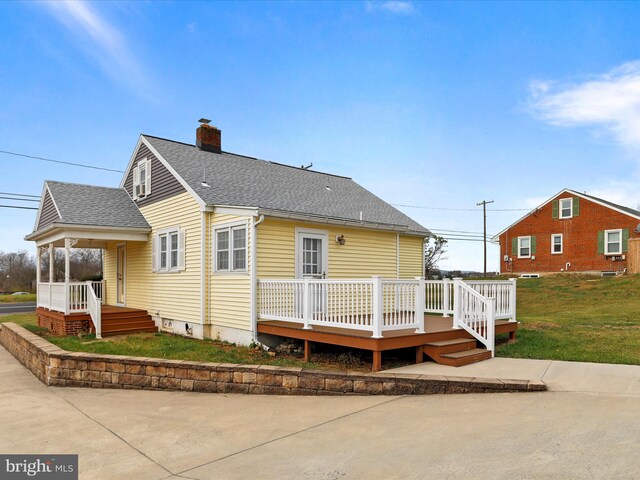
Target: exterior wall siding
{"type": "Point", "coordinates": [163, 184]}
{"type": "Point", "coordinates": [48, 213]}
{"type": "Point", "coordinates": [411, 256]}
{"type": "Point", "coordinates": [229, 292]}
{"type": "Point", "coordinates": [579, 236]}
{"type": "Point", "coordinates": [175, 295]}
{"type": "Point", "coordinates": [365, 253]}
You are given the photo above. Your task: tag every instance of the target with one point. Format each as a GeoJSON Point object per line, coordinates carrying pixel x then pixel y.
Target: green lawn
{"type": "Point", "coordinates": [18, 298]}
{"type": "Point", "coordinates": [580, 318]}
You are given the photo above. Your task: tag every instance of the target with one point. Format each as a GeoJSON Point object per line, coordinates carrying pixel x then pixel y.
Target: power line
{"type": "Point", "coordinates": [19, 194]}
{"type": "Point", "coordinates": [464, 209]}
{"type": "Point", "coordinates": [16, 206]}
{"type": "Point", "coordinates": [60, 161]}
{"type": "Point", "coordinates": [20, 199]}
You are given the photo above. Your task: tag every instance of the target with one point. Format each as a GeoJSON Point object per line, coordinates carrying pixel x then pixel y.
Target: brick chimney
{"type": "Point", "coordinates": [208, 138]}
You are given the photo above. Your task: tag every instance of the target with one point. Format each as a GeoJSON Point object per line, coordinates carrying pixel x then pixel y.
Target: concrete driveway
{"type": "Point", "coordinates": [124, 434]}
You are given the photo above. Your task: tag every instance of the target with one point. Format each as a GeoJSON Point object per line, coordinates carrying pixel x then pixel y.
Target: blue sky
{"type": "Point", "coordinates": [438, 105]}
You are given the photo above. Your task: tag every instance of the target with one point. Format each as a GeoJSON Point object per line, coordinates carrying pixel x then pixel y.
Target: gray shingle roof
{"type": "Point", "coordinates": [249, 182]}
{"type": "Point", "coordinates": [611, 204]}
{"type": "Point", "coordinates": [95, 206]}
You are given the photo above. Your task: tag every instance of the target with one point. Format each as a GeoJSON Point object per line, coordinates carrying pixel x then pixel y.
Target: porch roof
{"type": "Point", "coordinates": [88, 213]}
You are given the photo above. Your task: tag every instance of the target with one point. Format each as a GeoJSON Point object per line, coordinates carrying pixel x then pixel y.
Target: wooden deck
{"type": "Point", "coordinates": [437, 329]}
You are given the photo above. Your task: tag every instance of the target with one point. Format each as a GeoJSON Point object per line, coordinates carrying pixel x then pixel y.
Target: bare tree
{"type": "Point", "coordinates": [17, 271]}
{"type": "Point", "coordinates": [434, 248]}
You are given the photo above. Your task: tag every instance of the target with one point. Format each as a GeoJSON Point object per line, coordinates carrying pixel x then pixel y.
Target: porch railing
{"type": "Point", "coordinates": [374, 305]}
{"type": "Point", "coordinates": [475, 313]}
{"type": "Point", "coordinates": [378, 305]}
{"type": "Point", "coordinates": [69, 297]}
{"type": "Point", "coordinates": [94, 307]}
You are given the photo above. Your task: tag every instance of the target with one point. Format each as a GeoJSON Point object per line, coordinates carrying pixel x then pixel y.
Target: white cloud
{"type": "Point", "coordinates": [394, 6]}
{"type": "Point", "coordinates": [622, 192]}
{"type": "Point", "coordinates": [192, 27]}
{"type": "Point", "coordinates": [610, 102]}
{"type": "Point", "coordinates": [106, 44]}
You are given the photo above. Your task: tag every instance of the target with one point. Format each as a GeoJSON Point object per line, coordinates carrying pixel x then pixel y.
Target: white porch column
{"type": "Point", "coordinates": [38, 260]}
{"type": "Point", "coordinates": [377, 307]}
{"type": "Point", "coordinates": [67, 260]}
{"type": "Point", "coordinates": [446, 300]}
{"type": "Point", "coordinates": [457, 302]}
{"type": "Point", "coordinates": [420, 303]}
{"type": "Point", "coordinates": [52, 271]}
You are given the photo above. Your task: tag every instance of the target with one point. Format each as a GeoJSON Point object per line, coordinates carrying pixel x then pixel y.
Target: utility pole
{"type": "Point", "coordinates": [484, 238]}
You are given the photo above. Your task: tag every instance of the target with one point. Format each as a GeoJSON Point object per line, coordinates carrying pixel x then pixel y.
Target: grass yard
{"type": "Point", "coordinates": [18, 298]}
{"type": "Point", "coordinates": [164, 345]}
{"type": "Point", "coordinates": [575, 318]}
{"type": "Point", "coordinates": [579, 318]}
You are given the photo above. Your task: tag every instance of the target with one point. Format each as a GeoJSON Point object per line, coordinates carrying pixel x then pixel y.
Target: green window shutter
{"type": "Point", "coordinates": [514, 246]}
{"type": "Point", "coordinates": [554, 208]}
{"type": "Point", "coordinates": [625, 240]}
{"type": "Point", "coordinates": [533, 245]}
{"type": "Point", "coordinates": [576, 206]}
{"type": "Point", "coordinates": [601, 242]}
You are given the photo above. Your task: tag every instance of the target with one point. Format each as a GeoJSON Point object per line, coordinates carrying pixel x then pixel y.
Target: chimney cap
{"type": "Point", "coordinates": [206, 121]}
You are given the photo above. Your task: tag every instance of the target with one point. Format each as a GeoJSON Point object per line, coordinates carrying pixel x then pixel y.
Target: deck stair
{"type": "Point", "coordinates": [456, 352]}
{"type": "Point", "coordinates": [123, 321]}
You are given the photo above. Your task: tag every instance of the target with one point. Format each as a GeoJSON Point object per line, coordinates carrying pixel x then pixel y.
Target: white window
{"type": "Point", "coordinates": [524, 247]}
{"type": "Point", "coordinates": [142, 179]}
{"type": "Point", "coordinates": [566, 207]}
{"type": "Point", "coordinates": [556, 243]}
{"type": "Point", "coordinates": [231, 249]}
{"type": "Point", "coordinates": [168, 251]}
{"type": "Point", "coordinates": [613, 242]}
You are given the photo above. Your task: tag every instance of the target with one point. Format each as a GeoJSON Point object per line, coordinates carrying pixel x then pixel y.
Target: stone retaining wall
{"type": "Point", "coordinates": [57, 367]}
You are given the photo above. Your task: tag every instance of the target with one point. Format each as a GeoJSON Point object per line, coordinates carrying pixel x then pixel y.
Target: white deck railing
{"type": "Point", "coordinates": [70, 297]}
{"type": "Point", "coordinates": [378, 305]}
{"type": "Point", "coordinates": [475, 313]}
{"type": "Point", "coordinates": [374, 305]}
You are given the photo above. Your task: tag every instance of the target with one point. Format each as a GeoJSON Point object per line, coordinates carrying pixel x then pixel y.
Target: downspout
{"type": "Point", "coordinates": [425, 240]}
{"type": "Point", "coordinates": [398, 256]}
{"type": "Point", "coordinates": [203, 269]}
{"type": "Point", "coordinates": [254, 280]}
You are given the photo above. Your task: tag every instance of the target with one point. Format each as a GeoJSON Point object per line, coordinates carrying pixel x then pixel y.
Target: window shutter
{"type": "Point", "coordinates": [514, 247]}
{"type": "Point", "coordinates": [136, 182]}
{"type": "Point", "coordinates": [147, 188]}
{"type": "Point", "coordinates": [154, 253]}
{"type": "Point", "coordinates": [181, 244]}
{"type": "Point", "coordinates": [601, 242]}
{"type": "Point", "coordinates": [625, 240]}
{"type": "Point", "coordinates": [554, 208]}
{"type": "Point", "coordinates": [533, 245]}
{"type": "Point", "coordinates": [576, 206]}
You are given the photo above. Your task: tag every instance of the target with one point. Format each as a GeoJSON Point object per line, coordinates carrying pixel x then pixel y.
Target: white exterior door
{"type": "Point", "coordinates": [311, 262]}
{"type": "Point", "coordinates": [121, 261]}
{"type": "Point", "coordinates": [311, 257]}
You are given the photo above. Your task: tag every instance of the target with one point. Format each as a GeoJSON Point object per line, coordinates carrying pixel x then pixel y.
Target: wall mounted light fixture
{"type": "Point", "coordinates": [340, 239]}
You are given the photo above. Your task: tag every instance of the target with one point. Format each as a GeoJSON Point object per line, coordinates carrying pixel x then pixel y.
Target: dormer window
{"type": "Point", "coordinates": [142, 179]}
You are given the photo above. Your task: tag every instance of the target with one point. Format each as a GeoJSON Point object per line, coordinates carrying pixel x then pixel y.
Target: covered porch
{"type": "Point", "coordinates": [66, 306]}
{"type": "Point", "coordinates": [452, 321]}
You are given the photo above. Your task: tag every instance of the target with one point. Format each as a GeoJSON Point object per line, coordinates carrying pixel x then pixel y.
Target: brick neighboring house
{"type": "Point", "coordinates": [570, 232]}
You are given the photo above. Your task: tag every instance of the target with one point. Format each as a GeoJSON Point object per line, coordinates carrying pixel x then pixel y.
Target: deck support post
{"type": "Point", "coordinates": [420, 354]}
{"type": "Point", "coordinates": [420, 304]}
{"type": "Point", "coordinates": [307, 351]}
{"type": "Point", "coordinates": [446, 300]}
{"type": "Point", "coordinates": [378, 308]}
{"type": "Point", "coordinates": [377, 361]}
